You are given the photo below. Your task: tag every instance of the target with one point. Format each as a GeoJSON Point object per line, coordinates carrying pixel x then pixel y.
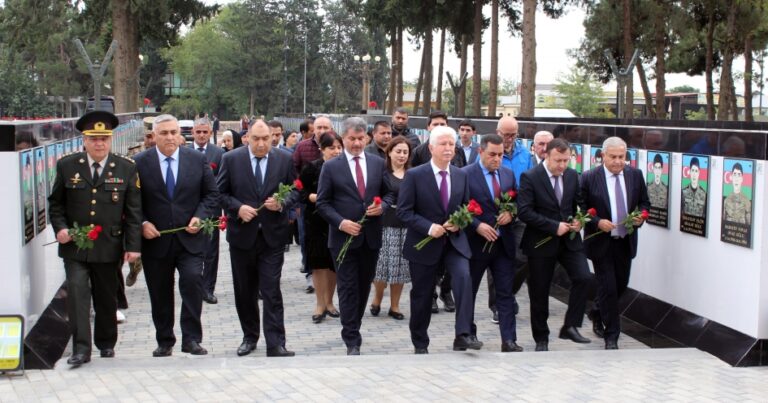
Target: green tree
{"type": "Point", "coordinates": [581, 92]}
{"type": "Point", "coordinates": [683, 88]}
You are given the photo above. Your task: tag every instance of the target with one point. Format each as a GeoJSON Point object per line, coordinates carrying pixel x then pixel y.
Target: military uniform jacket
{"type": "Point", "coordinates": [113, 202]}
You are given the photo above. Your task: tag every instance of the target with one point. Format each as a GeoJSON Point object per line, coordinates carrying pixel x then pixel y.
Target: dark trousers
{"type": "Point", "coordinates": [259, 269]}
{"type": "Point", "coordinates": [521, 269]}
{"type": "Point", "coordinates": [540, 280]}
{"type": "Point", "coordinates": [160, 276]}
{"type": "Point", "coordinates": [423, 285]}
{"type": "Point", "coordinates": [211, 264]}
{"type": "Point", "coordinates": [86, 281]}
{"type": "Point", "coordinates": [353, 282]}
{"type": "Point", "coordinates": [501, 267]}
{"type": "Point", "coordinates": [612, 274]}
{"type": "Point", "coordinates": [122, 300]}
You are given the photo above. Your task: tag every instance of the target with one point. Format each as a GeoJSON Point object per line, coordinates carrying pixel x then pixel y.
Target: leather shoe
{"type": "Point", "coordinates": [334, 313]}
{"type": "Point", "coordinates": [510, 346]}
{"type": "Point", "coordinates": [420, 350]}
{"type": "Point", "coordinates": [162, 351]}
{"type": "Point", "coordinates": [194, 348]}
{"type": "Point", "coordinates": [463, 342]}
{"type": "Point", "coordinates": [611, 345]}
{"type": "Point", "coordinates": [246, 347]}
{"type": "Point", "coordinates": [435, 308]}
{"type": "Point", "coordinates": [107, 353]}
{"type": "Point", "coordinates": [319, 318]}
{"type": "Point", "coordinates": [78, 359]}
{"type": "Point", "coordinates": [279, 351]}
{"type": "Point", "coordinates": [354, 350]}
{"type": "Point", "coordinates": [542, 346]}
{"type": "Point", "coordinates": [396, 315]}
{"type": "Point", "coordinates": [573, 334]}
{"type": "Point", "coordinates": [375, 309]}
{"type": "Point", "coordinates": [210, 298]}
{"type": "Point", "coordinates": [597, 325]}
{"type": "Point", "coordinates": [448, 304]}
{"type": "Point", "coordinates": [495, 317]}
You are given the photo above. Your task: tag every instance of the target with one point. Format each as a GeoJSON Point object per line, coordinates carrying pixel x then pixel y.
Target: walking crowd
{"type": "Point", "coordinates": [374, 209]}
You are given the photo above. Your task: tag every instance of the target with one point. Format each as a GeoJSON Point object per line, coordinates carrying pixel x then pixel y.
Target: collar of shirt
{"type": "Point", "coordinates": [436, 172]}
{"type": "Point", "coordinates": [198, 146]}
{"type": "Point", "coordinates": [609, 174]}
{"type": "Point", "coordinates": [162, 156]}
{"type": "Point", "coordinates": [102, 163]}
{"type": "Point", "coordinates": [252, 155]}
{"type": "Point", "coordinates": [350, 157]}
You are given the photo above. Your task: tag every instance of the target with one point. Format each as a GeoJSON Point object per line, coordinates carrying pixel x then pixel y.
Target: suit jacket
{"type": "Point", "coordinates": [595, 191]}
{"type": "Point", "coordinates": [338, 199]}
{"type": "Point", "coordinates": [238, 186]}
{"type": "Point", "coordinates": [419, 206]}
{"type": "Point", "coordinates": [213, 154]}
{"type": "Point", "coordinates": [538, 208]}
{"type": "Point", "coordinates": [113, 202]}
{"type": "Point", "coordinates": [195, 195]}
{"type": "Point", "coordinates": [473, 153]}
{"type": "Point", "coordinates": [478, 190]}
{"type": "Point", "coordinates": [422, 155]}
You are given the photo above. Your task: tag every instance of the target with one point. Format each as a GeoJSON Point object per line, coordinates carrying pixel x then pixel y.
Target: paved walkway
{"type": "Point", "coordinates": [387, 370]}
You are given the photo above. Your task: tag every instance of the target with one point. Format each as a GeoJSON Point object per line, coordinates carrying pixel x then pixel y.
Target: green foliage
{"type": "Point", "coordinates": [683, 88]}
{"type": "Point", "coordinates": [449, 100]}
{"type": "Point", "coordinates": [701, 114]}
{"type": "Point", "coordinates": [19, 94]}
{"type": "Point", "coordinates": [581, 92]}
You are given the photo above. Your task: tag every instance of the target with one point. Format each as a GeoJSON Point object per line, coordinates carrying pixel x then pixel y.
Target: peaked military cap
{"type": "Point", "coordinates": [97, 123]}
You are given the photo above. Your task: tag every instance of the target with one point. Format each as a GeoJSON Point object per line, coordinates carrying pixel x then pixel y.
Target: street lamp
{"type": "Point", "coordinates": [365, 64]}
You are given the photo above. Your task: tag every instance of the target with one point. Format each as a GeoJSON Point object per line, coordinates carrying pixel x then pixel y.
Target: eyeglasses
{"type": "Point", "coordinates": [508, 135]}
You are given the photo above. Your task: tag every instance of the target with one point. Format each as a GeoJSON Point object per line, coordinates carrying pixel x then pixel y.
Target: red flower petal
{"type": "Point", "coordinates": [644, 214]}
{"type": "Point", "coordinates": [297, 183]}
{"type": "Point", "coordinates": [97, 228]}
{"type": "Point", "coordinates": [213, 165]}
{"type": "Point", "coordinates": [592, 212]}
{"type": "Point", "coordinates": [377, 200]}
{"type": "Point", "coordinates": [512, 194]}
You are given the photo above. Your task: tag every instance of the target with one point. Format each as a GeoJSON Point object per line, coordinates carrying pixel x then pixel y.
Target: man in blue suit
{"type": "Point", "coordinates": [441, 189]}
{"type": "Point", "coordinates": [615, 190]}
{"type": "Point", "coordinates": [178, 190]}
{"type": "Point", "coordinates": [248, 178]}
{"type": "Point", "coordinates": [467, 132]}
{"type": "Point", "coordinates": [488, 180]}
{"type": "Point", "coordinates": [549, 194]}
{"type": "Point", "coordinates": [346, 191]}
{"type": "Point", "coordinates": [201, 132]}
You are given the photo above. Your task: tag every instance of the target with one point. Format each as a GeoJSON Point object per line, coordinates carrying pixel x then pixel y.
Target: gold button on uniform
{"type": "Point", "coordinates": [93, 190]}
{"type": "Point", "coordinates": [93, 213]}
{"type": "Point", "coordinates": [93, 201]}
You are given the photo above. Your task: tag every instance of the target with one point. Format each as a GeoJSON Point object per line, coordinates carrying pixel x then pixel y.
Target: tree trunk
{"type": "Point", "coordinates": [629, 111]}
{"type": "Point", "coordinates": [461, 99]}
{"type": "Point", "coordinates": [428, 71]}
{"type": "Point", "coordinates": [477, 46]}
{"type": "Point", "coordinates": [392, 72]}
{"type": "Point", "coordinates": [710, 65]}
{"type": "Point", "coordinates": [419, 82]}
{"type": "Point", "coordinates": [528, 79]}
{"type": "Point", "coordinates": [399, 99]}
{"type": "Point", "coordinates": [494, 84]}
{"type": "Point", "coordinates": [126, 57]}
{"type": "Point", "coordinates": [724, 105]}
{"type": "Point", "coordinates": [660, 41]}
{"type": "Point", "coordinates": [748, 114]}
{"type": "Point", "coordinates": [649, 111]}
{"type": "Point", "coordinates": [439, 97]}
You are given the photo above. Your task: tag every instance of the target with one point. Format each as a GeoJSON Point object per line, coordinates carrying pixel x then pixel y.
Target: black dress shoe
{"type": "Point", "coordinates": [463, 342]}
{"type": "Point", "coordinates": [354, 350]}
{"type": "Point", "coordinates": [279, 351]}
{"type": "Point", "coordinates": [246, 348]}
{"type": "Point", "coordinates": [573, 334]}
{"type": "Point", "coordinates": [334, 313]}
{"type": "Point", "coordinates": [611, 345]}
{"type": "Point", "coordinates": [396, 315]}
{"type": "Point", "coordinates": [194, 348]}
{"type": "Point", "coordinates": [435, 308]}
{"type": "Point", "coordinates": [448, 304]}
{"type": "Point", "coordinates": [495, 317]}
{"type": "Point", "coordinates": [597, 324]}
{"type": "Point", "coordinates": [78, 359]}
{"type": "Point", "coordinates": [162, 351]}
{"type": "Point", "coordinates": [375, 309]}
{"type": "Point", "coordinates": [107, 353]}
{"type": "Point", "coordinates": [210, 298]}
{"type": "Point", "coordinates": [510, 346]}
{"type": "Point", "coordinates": [420, 351]}
{"type": "Point", "coordinates": [542, 346]}
{"type": "Point", "coordinates": [318, 318]}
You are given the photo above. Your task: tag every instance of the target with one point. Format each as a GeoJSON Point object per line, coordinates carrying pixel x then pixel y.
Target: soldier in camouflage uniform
{"type": "Point", "coordinates": [694, 197]}
{"type": "Point", "coordinates": [657, 191]}
{"type": "Point", "coordinates": [737, 208]}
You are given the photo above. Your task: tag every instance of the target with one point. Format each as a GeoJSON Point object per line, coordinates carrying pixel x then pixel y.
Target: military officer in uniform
{"type": "Point", "coordinates": [657, 191]}
{"type": "Point", "coordinates": [737, 208]}
{"type": "Point", "coordinates": [95, 187]}
{"type": "Point", "coordinates": [694, 197]}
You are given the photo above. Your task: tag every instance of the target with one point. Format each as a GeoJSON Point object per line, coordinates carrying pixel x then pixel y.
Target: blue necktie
{"type": "Point", "coordinates": [170, 181]}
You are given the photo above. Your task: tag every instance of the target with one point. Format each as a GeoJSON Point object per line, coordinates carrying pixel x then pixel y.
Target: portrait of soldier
{"type": "Point", "coordinates": [657, 190]}
{"type": "Point", "coordinates": [737, 208]}
{"type": "Point", "coordinates": [694, 197]}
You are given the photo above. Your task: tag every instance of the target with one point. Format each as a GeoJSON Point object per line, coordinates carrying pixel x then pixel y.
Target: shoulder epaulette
{"type": "Point", "coordinates": [125, 157]}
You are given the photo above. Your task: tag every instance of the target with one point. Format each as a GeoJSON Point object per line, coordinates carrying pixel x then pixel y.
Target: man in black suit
{"type": "Point", "coordinates": [201, 132]}
{"type": "Point", "coordinates": [469, 147]}
{"type": "Point", "coordinates": [178, 190]}
{"type": "Point", "coordinates": [249, 177]}
{"type": "Point", "coordinates": [615, 190]}
{"type": "Point", "coordinates": [441, 189]}
{"type": "Point", "coordinates": [346, 191]}
{"type": "Point", "coordinates": [548, 197]}
{"type": "Point", "coordinates": [488, 180]}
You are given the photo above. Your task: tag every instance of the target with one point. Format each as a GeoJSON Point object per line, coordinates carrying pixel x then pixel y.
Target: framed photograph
{"type": "Point", "coordinates": [694, 194]}
{"type": "Point", "coordinates": [657, 181]}
{"type": "Point", "coordinates": [27, 195]}
{"type": "Point", "coordinates": [738, 201]}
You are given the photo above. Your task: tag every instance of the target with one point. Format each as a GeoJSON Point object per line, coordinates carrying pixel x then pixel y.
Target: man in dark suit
{"type": "Point", "coordinates": [441, 189]}
{"type": "Point", "coordinates": [615, 190]}
{"type": "Point", "coordinates": [346, 189]}
{"type": "Point", "coordinates": [488, 180]}
{"type": "Point", "coordinates": [95, 187]}
{"type": "Point", "coordinates": [179, 190]}
{"type": "Point", "coordinates": [382, 134]}
{"type": "Point", "coordinates": [201, 132]}
{"type": "Point", "coordinates": [469, 147]}
{"type": "Point", "coordinates": [548, 197]}
{"type": "Point", "coordinates": [257, 232]}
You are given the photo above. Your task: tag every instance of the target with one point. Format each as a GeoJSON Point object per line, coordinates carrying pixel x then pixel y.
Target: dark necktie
{"type": "Point", "coordinates": [360, 180]}
{"type": "Point", "coordinates": [558, 191]}
{"type": "Point", "coordinates": [496, 187]}
{"type": "Point", "coordinates": [444, 189]}
{"type": "Point", "coordinates": [257, 173]}
{"type": "Point", "coordinates": [201, 149]}
{"type": "Point", "coordinates": [170, 181]}
{"type": "Point", "coordinates": [96, 167]}
{"type": "Point", "coordinates": [621, 208]}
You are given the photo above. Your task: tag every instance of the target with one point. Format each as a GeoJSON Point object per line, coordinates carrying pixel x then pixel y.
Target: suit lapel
{"type": "Point", "coordinates": [270, 177]}
{"type": "Point", "coordinates": [154, 163]}
{"type": "Point", "coordinates": [628, 197]}
{"type": "Point", "coordinates": [369, 191]}
{"type": "Point", "coordinates": [245, 161]}
{"type": "Point", "coordinates": [84, 170]}
{"type": "Point", "coordinates": [602, 183]}
{"type": "Point", "coordinates": [456, 190]}
{"type": "Point", "coordinates": [548, 183]}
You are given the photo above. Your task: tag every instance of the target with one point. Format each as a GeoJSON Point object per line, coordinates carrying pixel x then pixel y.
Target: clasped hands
{"type": "Point", "coordinates": [353, 228]}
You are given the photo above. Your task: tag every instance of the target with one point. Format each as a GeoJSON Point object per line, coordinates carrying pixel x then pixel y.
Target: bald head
{"type": "Point", "coordinates": [540, 141]}
{"type": "Point", "coordinates": [507, 129]}
{"type": "Point", "coordinates": [322, 125]}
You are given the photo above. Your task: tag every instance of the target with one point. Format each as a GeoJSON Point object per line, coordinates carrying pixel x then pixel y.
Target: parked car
{"type": "Point", "coordinates": [186, 129]}
{"type": "Point", "coordinates": [107, 104]}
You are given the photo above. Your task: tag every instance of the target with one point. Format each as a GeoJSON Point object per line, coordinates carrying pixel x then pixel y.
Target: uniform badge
{"type": "Point", "coordinates": [138, 183]}
{"type": "Point", "coordinates": [115, 196]}
{"type": "Point", "coordinates": [82, 161]}
{"type": "Point", "coordinates": [75, 179]}
{"type": "Point", "coordinates": [113, 180]}
{"type": "Point", "coordinates": [111, 164]}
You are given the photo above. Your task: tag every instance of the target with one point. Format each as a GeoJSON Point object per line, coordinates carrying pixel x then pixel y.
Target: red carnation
{"type": "Point", "coordinates": [299, 186]}
{"type": "Point", "coordinates": [222, 225]}
{"type": "Point", "coordinates": [93, 235]}
{"type": "Point", "coordinates": [377, 200]}
{"type": "Point", "coordinates": [644, 214]}
{"type": "Point", "coordinates": [213, 165]}
{"type": "Point", "coordinates": [512, 194]}
{"type": "Point", "coordinates": [592, 212]}
{"type": "Point", "coordinates": [97, 229]}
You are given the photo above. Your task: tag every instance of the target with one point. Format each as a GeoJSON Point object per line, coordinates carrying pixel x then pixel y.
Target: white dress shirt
{"type": "Point", "coordinates": [352, 168]}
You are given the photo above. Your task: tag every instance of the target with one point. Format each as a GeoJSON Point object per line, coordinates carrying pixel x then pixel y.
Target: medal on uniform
{"type": "Point", "coordinates": [76, 179]}
{"type": "Point", "coordinates": [115, 196]}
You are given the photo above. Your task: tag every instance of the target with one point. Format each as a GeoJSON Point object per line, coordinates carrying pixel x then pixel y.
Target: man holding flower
{"type": "Point", "coordinates": [619, 195]}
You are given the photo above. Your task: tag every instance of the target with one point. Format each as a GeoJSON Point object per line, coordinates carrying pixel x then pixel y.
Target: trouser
{"type": "Point", "coordinates": [86, 281]}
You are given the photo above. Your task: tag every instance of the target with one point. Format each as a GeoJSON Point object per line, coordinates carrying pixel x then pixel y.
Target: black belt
{"type": "Point", "coordinates": [616, 237]}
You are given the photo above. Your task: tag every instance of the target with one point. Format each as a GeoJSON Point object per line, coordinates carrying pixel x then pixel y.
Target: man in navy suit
{"type": "Point", "coordinates": [488, 180]}
{"type": "Point", "coordinates": [615, 190]}
{"type": "Point", "coordinates": [442, 189]}
{"type": "Point", "coordinates": [178, 190]}
{"type": "Point", "coordinates": [248, 178]}
{"type": "Point", "coordinates": [346, 189]}
{"type": "Point", "coordinates": [201, 132]}
{"type": "Point", "coordinates": [467, 133]}
{"type": "Point", "coordinates": [548, 197]}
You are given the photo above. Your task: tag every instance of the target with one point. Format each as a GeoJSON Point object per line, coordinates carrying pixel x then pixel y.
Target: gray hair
{"type": "Point", "coordinates": [163, 118]}
{"type": "Point", "coordinates": [441, 131]}
{"type": "Point", "coordinates": [355, 124]}
{"type": "Point", "coordinates": [227, 133]}
{"type": "Point", "coordinates": [614, 142]}
{"type": "Point", "coordinates": [542, 134]}
{"type": "Point", "coordinates": [202, 122]}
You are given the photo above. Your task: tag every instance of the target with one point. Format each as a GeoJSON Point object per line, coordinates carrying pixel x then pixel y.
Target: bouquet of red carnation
{"type": "Point", "coordinates": [343, 252]}
{"type": "Point", "coordinates": [460, 218]}
{"type": "Point", "coordinates": [207, 225]}
{"type": "Point", "coordinates": [628, 221]}
{"type": "Point", "coordinates": [581, 217]}
{"type": "Point", "coordinates": [283, 191]}
{"type": "Point", "coordinates": [506, 204]}
{"type": "Point", "coordinates": [84, 236]}
{"type": "Point", "coordinates": [213, 165]}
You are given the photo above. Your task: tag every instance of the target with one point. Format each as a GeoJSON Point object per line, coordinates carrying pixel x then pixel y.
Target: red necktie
{"type": "Point", "coordinates": [496, 187]}
{"type": "Point", "coordinates": [360, 180]}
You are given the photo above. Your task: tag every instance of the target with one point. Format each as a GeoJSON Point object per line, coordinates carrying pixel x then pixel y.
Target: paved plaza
{"type": "Point", "coordinates": [387, 370]}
